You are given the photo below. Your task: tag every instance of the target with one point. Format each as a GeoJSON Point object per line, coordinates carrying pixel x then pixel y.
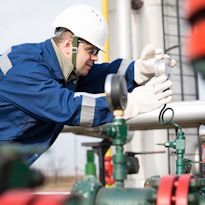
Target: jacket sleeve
{"type": "Point", "coordinates": [32, 88]}
{"type": "Point", "coordinates": [94, 81]}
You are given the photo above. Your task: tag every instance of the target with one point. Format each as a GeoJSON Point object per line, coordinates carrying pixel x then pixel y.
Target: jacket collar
{"type": "Point", "coordinates": [66, 67]}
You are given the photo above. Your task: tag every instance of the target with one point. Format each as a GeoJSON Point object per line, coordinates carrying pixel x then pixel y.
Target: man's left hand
{"type": "Point", "coordinates": [145, 67]}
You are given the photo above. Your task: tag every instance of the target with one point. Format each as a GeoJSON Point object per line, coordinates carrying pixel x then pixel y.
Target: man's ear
{"type": "Point", "coordinates": [67, 45]}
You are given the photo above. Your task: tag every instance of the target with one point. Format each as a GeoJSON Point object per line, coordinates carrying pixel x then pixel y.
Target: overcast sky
{"type": "Point", "coordinates": [31, 20]}
{"type": "Point", "coordinates": [25, 21]}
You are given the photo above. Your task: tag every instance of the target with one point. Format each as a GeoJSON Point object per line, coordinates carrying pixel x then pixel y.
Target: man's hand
{"type": "Point", "coordinates": [146, 66]}
{"type": "Point", "coordinates": [150, 96]}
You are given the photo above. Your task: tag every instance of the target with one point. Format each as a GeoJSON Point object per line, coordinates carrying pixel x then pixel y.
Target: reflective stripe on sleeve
{"type": "Point", "coordinates": [87, 111]}
{"type": "Point", "coordinates": [123, 66]}
{"type": "Point", "coordinates": [5, 63]}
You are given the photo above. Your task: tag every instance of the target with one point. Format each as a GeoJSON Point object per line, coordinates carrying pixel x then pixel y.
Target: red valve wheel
{"type": "Point", "coordinates": [16, 197]}
{"type": "Point", "coordinates": [182, 190]}
{"type": "Point", "coordinates": [165, 190]}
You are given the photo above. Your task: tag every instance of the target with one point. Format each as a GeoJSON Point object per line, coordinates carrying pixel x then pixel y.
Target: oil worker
{"type": "Point", "coordinates": [38, 82]}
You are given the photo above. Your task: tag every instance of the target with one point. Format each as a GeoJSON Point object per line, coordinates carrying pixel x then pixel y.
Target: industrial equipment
{"type": "Point", "coordinates": [179, 189]}
{"type": "Point", "coordinates": [17, 180]}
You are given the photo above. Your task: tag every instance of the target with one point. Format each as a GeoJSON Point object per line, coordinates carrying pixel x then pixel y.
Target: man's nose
{"type": "Point", "coordinates": [94, 57]}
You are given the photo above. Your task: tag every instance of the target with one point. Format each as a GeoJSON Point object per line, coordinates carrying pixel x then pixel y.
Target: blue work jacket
{"type": "Point", "coordinates": [36, 102]}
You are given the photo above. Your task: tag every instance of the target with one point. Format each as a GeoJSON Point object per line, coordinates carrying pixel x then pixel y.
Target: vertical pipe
{"type": "Point", "coordinates": [180, 52]}
{"type": "Point", "coordinates": [165, 50]}
{"type": "Point", "coordinates": [101, 153]}
{"type": "Point", "coordinates": [123, 20]}
{"type": "Point", "coordinates": [104, 6]}
{"type": "Point", "coordinates": [180, 151]}
{"type": "Point", "coordinates": [76, 157]}
{"type": "Point", "coordinates": [90, 168]}
{"type": "Point", "coordinates": [168, 153]}
{"type": "Point", "coordinates": [196, 83]}
{"type": "Point", "coordinates": [200, 152]}
{"type": "Point", "coordinates": [163, 23]}
{"type": "Point", "coordinates": [119, 166]}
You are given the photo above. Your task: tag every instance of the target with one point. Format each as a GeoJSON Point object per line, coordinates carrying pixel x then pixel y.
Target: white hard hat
{"type": "Point", "coordinates": [85, 22]}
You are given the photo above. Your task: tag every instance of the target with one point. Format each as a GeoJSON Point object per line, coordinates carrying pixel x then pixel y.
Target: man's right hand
{"type": "Point", "coordinates": [155, 93]}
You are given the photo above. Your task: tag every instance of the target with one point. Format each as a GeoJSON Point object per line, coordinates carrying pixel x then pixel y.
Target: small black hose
{"type": "Point", "coordinates": [161, 115]}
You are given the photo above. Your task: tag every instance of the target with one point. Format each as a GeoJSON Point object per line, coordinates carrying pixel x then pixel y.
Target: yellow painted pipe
{"type": "Point", "coordinates": [104, 6]}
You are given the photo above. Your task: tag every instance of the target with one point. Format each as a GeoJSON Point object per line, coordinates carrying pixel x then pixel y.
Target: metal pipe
{"type": "Point", "coordinates": [186, 114]}
{"type": "Point", "coordinates": [123, 21]}
{"type": "Point", "coordinates": [104, 5]}
{"type": "Point", "coordinates": [163, 24]}
{"type": "Point", "coordinates": [180, 50]}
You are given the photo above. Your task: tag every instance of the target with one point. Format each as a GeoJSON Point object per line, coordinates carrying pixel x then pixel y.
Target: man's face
{"type": "Point", "coordinates": [86, 56]}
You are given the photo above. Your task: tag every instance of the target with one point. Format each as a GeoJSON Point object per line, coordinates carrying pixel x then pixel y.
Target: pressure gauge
{"type": "Point", "coordinates": [116, 91]}
{"type": "Point", "coordinates": [162, 67]}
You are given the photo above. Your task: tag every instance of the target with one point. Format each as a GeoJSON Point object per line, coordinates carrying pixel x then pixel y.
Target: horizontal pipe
{"type": "Point", "coordinates": [187, 114]}
{"type": "Point", "coordinates": [92, 132]}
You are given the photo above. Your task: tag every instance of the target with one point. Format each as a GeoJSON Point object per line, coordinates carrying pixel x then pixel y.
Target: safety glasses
{"type": "Point", "coordinates": [92, 50]}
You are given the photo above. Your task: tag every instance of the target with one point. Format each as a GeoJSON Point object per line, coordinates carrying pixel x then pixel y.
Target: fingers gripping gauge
{"type": "Point", "coordinates": [162, 67]}
{"type": "Point", "coordinates": [116, 92]}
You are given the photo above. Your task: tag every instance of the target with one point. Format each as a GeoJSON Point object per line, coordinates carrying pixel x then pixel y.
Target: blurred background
{"type": "Point", "coordinates": [132, 25]}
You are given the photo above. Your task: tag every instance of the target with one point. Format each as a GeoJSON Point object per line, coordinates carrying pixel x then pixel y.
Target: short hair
{"type": "Point", "coordinates": [62, 33]}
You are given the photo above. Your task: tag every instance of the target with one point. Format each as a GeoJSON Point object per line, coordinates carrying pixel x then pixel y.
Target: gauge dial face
{"type": "Point", "coordinates": [116, 91]}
